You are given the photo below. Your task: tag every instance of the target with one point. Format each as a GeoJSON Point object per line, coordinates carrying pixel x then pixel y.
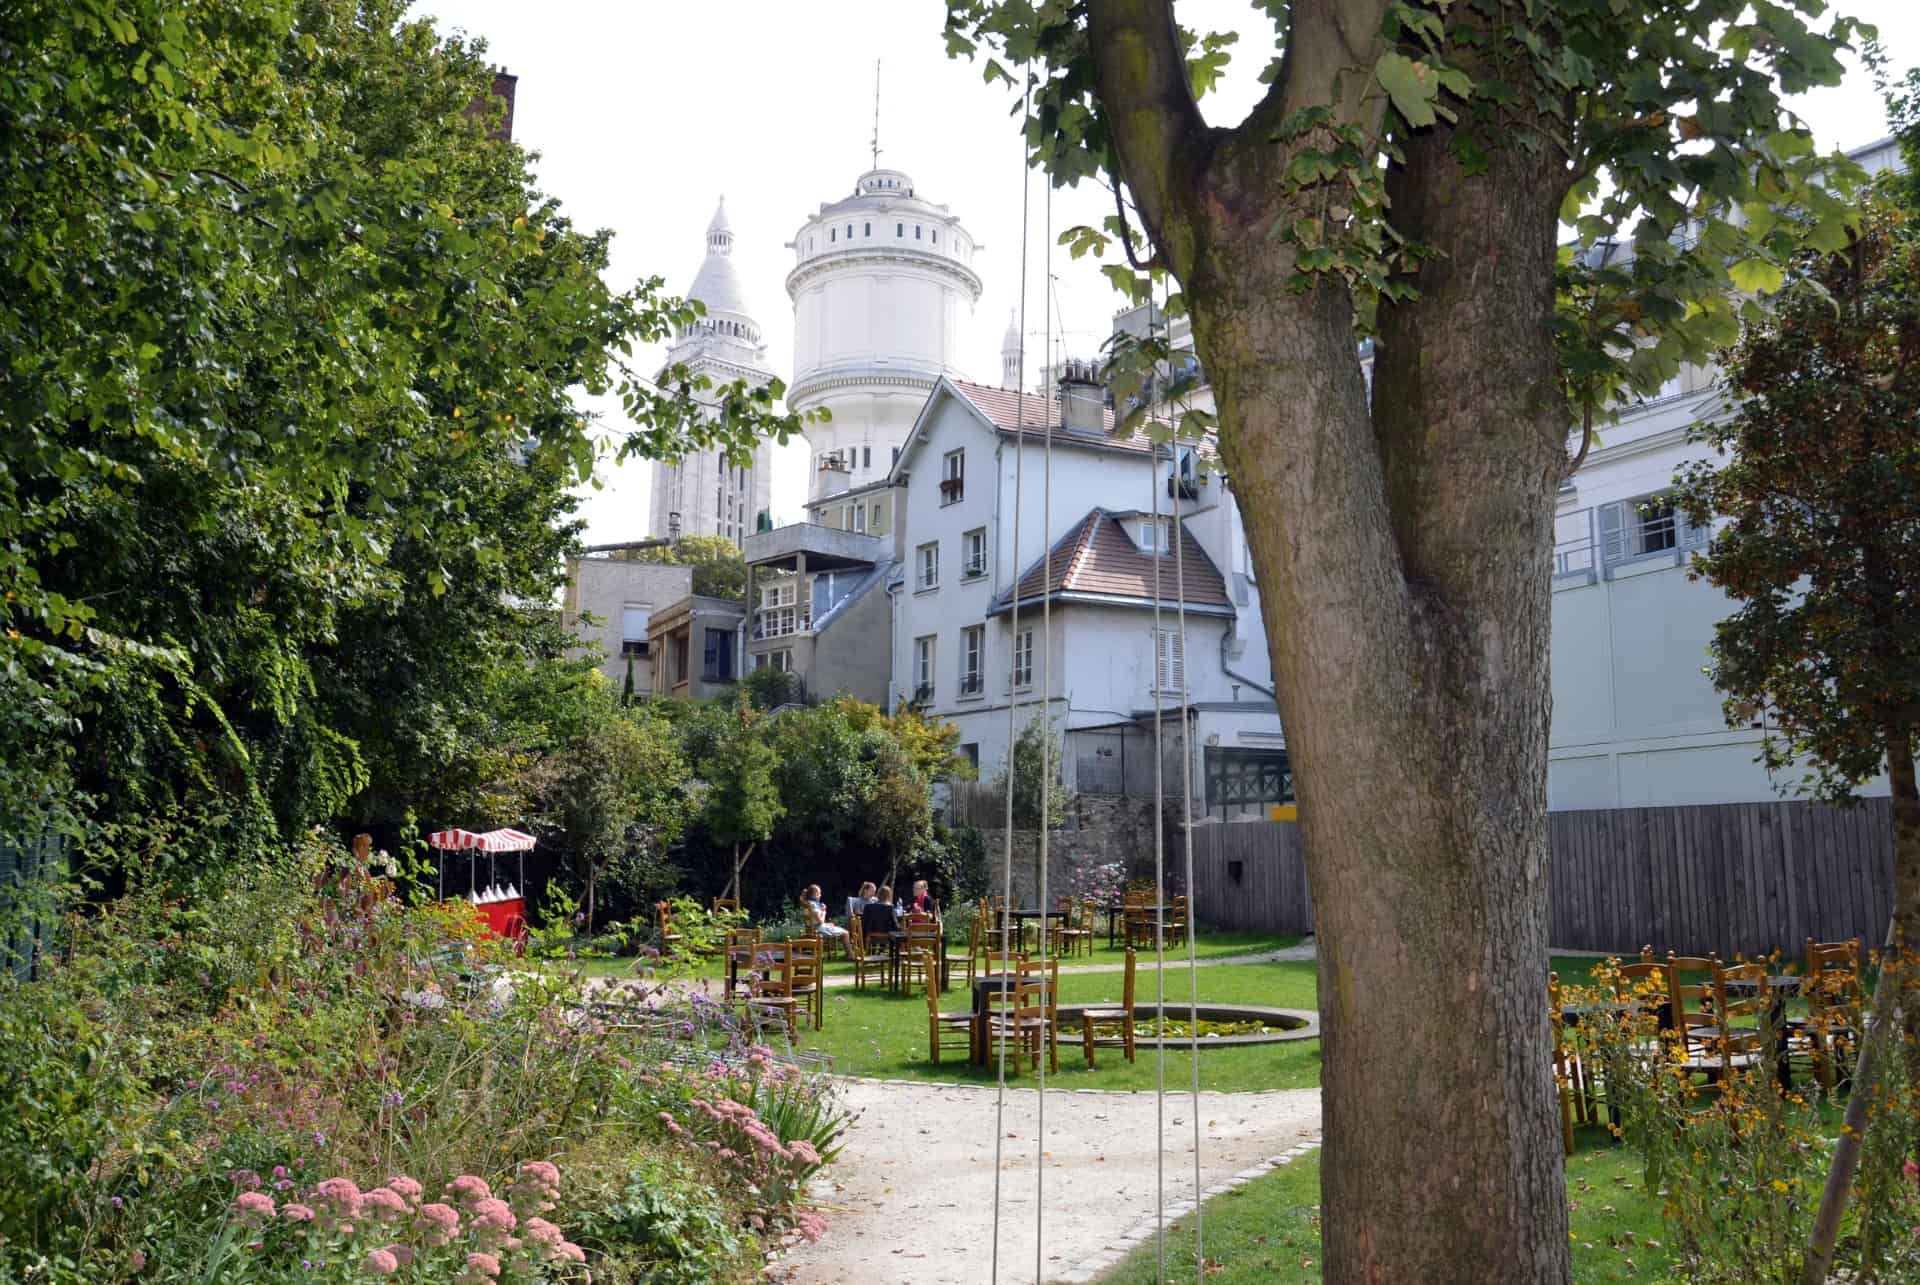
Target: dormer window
{"type": "Point", "coordinates": [1156, 534]}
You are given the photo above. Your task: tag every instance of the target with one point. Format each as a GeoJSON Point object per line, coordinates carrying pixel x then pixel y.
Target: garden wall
{"type": "Point", "coordinates": [1102, 829]}
{"type": "Point", "coordinates": [1724, 878]}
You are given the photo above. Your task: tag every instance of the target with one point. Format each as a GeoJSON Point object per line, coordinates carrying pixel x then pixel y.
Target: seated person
{"type": "Point", "coordinates": [854, 904]}
{"type": "Point", "coordinates": [922, 902]}
{"type": "Point", "coordinates": [878, 917]}
{"type": "Point", "coordinates": [816, 912]}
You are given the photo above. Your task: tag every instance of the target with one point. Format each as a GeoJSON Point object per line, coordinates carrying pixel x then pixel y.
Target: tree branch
{"type": "Point", "coordinates": [1141, 75]}
{"type": "Point", "coordinates": [1586, 441]}
{"type": "Point", "coordinates": [1331, 46]}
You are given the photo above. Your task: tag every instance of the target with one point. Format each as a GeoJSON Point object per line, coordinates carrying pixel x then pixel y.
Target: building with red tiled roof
{"type": "Point", "coordinates": [1087, 585]}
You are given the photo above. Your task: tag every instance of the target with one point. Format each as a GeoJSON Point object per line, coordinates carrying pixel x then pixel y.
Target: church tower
{"type": "Point", "coordinates": [1011, 358]}
{"type": "Point", "coordinates": [704, 493]}
{"type": "Point", "coordinates": [882, 282]}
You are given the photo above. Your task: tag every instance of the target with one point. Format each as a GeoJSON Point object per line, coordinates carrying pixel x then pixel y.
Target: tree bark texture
{"type": "Point", "coordinates": [1403, 546]}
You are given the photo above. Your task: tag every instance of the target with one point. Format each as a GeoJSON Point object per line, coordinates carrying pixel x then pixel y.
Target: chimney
{"type": "Point", "coordinates": [1083, 401]}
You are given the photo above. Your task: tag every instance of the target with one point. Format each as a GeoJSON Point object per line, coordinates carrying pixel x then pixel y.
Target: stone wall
{"type": "Point", "coordinates": [1102, 829]}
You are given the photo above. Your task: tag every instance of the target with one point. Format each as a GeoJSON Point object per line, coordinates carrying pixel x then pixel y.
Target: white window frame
{"type": "Point", "coordinates": [953, 470]}
{"type": "Point", "coordinates": [860, 517]}
{"type": "Point", "coordinates": [973, 661]}
{"type": "Point", "coordinates": [629, 639]}
{"type": "Point", "coordinates": [973, 554]}
{"type": "Point", "coordinates": [927, 566]}
{"type": "Point", "coordinates": [1023, 660]}
{"type": "Point", "coordinates": [1169, 663]}
{"type": "Point", "coordinates": [926, 651]}
{"type": "Point", "coordinates": [1156, 534]}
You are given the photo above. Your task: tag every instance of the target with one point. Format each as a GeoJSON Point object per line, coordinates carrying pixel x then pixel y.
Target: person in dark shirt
{"type": "Point", "coordinates": [878, 916]}
{"type": "Point", "coordinates": [922, 902]}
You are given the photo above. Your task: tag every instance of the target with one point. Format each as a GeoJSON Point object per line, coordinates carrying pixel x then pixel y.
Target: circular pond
{"type": "Point", "coordinates": [1221, 1025]}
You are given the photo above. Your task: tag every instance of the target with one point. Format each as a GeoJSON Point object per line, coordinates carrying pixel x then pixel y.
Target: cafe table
{"type": "Point", "coordinates": [1020, 918]}
{"type": "Point", "coordinates": [896, 956]}
{"type": "Point", "coordinates": [982, 988]}
{"type": "Point", "coordinates": [1117, 913]}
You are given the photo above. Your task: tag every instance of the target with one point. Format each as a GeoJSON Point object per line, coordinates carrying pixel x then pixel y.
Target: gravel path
{"type": "Point", "coordinates": [911, 1197]}
{"type": "Point", "coordinates": [1304, 950]}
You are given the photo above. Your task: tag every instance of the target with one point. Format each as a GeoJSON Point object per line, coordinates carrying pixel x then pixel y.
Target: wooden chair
{"type": "Point", "coordinates": [1019, 1017]}
{"type": "Point", "coordinates": [1835, 998]}
{"type": "Point", "coordinates": [1045, 973]}
{"type": "Point", "coordinates": [1565, 1062]}
{"type": "Point", "coordinates": [922, 943]}
{"type": "Point", "coordinates": [950, 958]}
{"type": "Point", "coordinates": [770, 986]}
{"type": "Point", "coordinates": [739, 952]}
{"type": "Point", "coordinates": [865, 954]}
{"type": "Point", "coordinates": [942, 1027]}
{"type": "Point", "coordinates": [809, 977]}
{"type": "Point", "coordinates": [1717, 1044]}
{"type": "Point", "coordinates": [1177, 917]}
{"type": "Point", "coordinates": [1095, 1021]}
{"type": "Point", "coordinates": [1077, 935]}
{"type": "Point", "coordinates": [726, 903]}
{"type": "Point", "coordinates": [669, 935]}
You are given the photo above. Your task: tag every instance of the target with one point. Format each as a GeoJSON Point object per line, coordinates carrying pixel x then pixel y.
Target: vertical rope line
{"type": "Point", "coordinates": [1046, 742]}
{"type": "Point", "coordinates": [1013, 689]}
{"type": "Point", "coordinates": [1189, 724]}
{"type": "Point", "coordinates": [1159, 875]}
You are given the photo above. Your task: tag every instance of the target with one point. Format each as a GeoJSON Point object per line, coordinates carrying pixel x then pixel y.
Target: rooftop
{"type": "Point", "coordinates": [1097, 559]}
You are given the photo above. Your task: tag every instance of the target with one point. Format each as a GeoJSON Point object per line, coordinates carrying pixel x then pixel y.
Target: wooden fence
{"type": "Point", "coordinates": [1726, 878]}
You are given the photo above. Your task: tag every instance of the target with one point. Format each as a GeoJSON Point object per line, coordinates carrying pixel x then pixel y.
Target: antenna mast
{"type": "Point", "coordinates": [876, 113]}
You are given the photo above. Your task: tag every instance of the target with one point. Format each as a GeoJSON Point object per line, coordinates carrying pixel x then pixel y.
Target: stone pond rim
{"type": "Point", "coordinates": [1300, 1024]}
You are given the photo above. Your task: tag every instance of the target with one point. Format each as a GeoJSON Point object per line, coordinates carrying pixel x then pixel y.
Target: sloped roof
{"type": "Point", "coordinates": [1099, 559]}
{"type": "Point", "coordinates": [1011, 412]}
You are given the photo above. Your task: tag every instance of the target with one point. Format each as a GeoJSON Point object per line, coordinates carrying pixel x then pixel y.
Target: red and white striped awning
{"type": "Point", "coordinates": [487, 841]}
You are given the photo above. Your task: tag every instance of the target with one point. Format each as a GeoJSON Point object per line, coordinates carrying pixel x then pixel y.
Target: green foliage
{"type": "Point", "coordinates": [1036, 763]}
{"type": "Point", "coordinates": [661, 1223]}
{"type": "Point", "coordinates": [1668, 119]}
{"type": "Point", "coordinates": [770, 688]}
{"type": "Point", "coordinates": [614, 797]}
{"type": "Point", "coordinates": [719, 569]}
{"type": "Point", "coordinates": [288, 424]}
{"type": "Point", "coordinates": [1818, 480]}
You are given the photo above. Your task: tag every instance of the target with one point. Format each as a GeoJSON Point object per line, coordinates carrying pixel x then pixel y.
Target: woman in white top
{"type": "Point", "coordinates": [817, 913]}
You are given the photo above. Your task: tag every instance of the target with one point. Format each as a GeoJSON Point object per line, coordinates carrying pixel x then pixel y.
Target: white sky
{"type": "Point", "coordinates": [645, 112]}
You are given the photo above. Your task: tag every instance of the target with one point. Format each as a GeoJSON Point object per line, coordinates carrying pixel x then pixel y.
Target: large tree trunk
{"type": "Point", "coordinates": [1403, 545]}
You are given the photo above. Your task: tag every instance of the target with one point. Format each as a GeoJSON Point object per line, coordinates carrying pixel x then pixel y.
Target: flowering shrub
{"type": "Point", "coordinates": [192, 1108]}
{"type": "Point", "coordinates": [1080, 875]}
{"type": "Point", "coordinates": [1739, 1164]}
{"type": "Point", "coordinates": [337, 1232]}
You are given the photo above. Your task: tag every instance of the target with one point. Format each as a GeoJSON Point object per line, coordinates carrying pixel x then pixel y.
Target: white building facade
{"type": "Point", "coordinates": [881, 285]}
{"type": "Point", "coordinates": [705, 493]}
{"type": "Point", "coordinates": [969, 638]}
{"type": "Point", "coordinates": [1636, 722]}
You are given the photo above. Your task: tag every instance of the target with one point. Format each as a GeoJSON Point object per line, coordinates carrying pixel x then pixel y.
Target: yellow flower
{"type": "Point", "coordinates": [1779, 1186]}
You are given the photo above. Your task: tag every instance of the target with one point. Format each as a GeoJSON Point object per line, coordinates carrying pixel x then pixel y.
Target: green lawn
{"type": "Point", "coordinates": [873, 1032]}
{"type": "Point", "coordinates": [1269, 1230]}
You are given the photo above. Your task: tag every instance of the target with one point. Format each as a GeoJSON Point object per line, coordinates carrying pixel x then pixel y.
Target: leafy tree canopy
{"type": "Point", "coordinates": [719, 570]}
{"type": "Point", "coordinates": [287, 420]}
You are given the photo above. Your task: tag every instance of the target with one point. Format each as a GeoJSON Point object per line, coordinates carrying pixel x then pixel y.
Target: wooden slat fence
{"type": "Point", "coordinates": [1725, 878]}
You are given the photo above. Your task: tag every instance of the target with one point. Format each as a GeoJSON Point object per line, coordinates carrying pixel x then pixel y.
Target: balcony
{"type": "Point", "coordinates": [923, 694]}
{"type": "Point", "coordinates": [971, 684]}
{"type": "Point", "coordinates": [1185, 488]}
{"type": "Point", "coordinates": [1623, 538]}
{"type": "Point", "coordinates": [952, 490]}
{"type": "Point", "coordinates": [825, 548]}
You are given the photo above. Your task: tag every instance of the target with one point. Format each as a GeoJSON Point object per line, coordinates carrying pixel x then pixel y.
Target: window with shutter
{"type": "Point", "coordinates": [1170, 662]}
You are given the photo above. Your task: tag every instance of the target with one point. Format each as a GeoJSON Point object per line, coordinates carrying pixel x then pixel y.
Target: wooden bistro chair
{"type": "Point", "coordinates": [1097, 1020]}
{"type": "Point", "coordinates": [952, 959]}
{"type": "Point", "coordinates": [1566, 1062]}
{"type": "Point", "coordinates": [809, 977]}
{"type": "Point", "coordinates": [1830, 1032]}
{"type": "Point", "coordinates": [922, 944]}
{"type": "Point", "coordinates": [944, 1030]}
{"type": "Point", "coordinates": [726, 903]}
{"type": "Point", "coordinates": [739, 953]}
{"type": "Point", "coordinates": [770, 986]}
{"type": "Point", "coordinates": [1718, 1043]}
{"type": "Point", "coordinates": [1018, 1016]}
{"type": "Point", "coordinates": [669, 935]}
{"type": "Point", "coordinates": [1077, 937]}
{"type": "Point", "coordinates": [865, 954]}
